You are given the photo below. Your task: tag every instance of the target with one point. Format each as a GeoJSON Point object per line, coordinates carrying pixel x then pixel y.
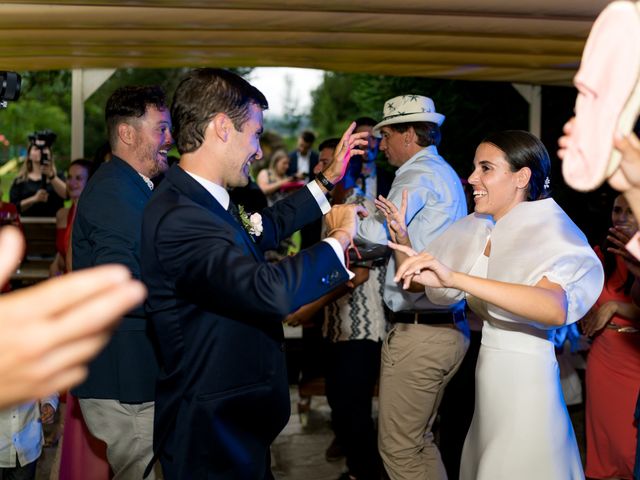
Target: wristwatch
{"type": "Point", "coordinates": [325, 183]}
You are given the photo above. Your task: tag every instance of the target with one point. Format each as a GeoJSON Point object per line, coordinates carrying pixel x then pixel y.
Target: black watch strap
{"type": "Point", "coordinates": [325, 183]}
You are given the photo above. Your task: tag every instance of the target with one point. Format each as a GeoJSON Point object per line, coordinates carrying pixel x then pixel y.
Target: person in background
{"type": "Point", "coordinates": [303, 159]}
{"type": "Point", "coordinates": [78, 174]}
{"type": "Point", "coordinates": [613, 363]}
{"type": "Point", "coordinates": [426, 342]}
{"type": "Point", "coordinates": [38, 190]}
{"type": "Point", "coordinates": [117, 397]}
{"type": "Point", "coordinates": [21, 437]}
{"type": "Point", "coordinates": [271, 179]}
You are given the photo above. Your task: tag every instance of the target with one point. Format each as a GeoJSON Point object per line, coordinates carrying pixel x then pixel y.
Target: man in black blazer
{"type": "Point", "coordinates": [216, 305]}
{"type": "Point", "coordinates": [117, 397]}
{"type": "Point", "coordinates": [303, 159]}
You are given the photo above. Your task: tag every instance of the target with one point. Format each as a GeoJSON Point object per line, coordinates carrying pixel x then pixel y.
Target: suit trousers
{"type": "Point", "coordinates": [417, 363]}
{"type": "Point", "coordinates": [127, 429]}
{"type": "Point", "coordinates": [352, 372]}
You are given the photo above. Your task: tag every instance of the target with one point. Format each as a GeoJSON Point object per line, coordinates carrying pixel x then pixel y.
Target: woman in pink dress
{"type": "Point", "coordinates": [613, 365]}
{"type": "Point", "coordinates": [83, 457]}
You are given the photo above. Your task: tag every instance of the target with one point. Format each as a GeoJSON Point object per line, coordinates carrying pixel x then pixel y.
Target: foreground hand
{"type": "Point", "coordinates": [396, 223]}
{"type": "Point", "coordinates": [342, 221]}
{"type": "Point", "coordinates": [563, 141]}
{"type": "Point", "coordinates": [421, 268]}
{"type": "Point", "coordinates": [349, 146]}
{"type": "Point", "coordinates": [48, 332]}
{"type": "Point", "coordinates": [46, 413]}
{"type": "Point", "coordinates": [629, 146]}
{"type": "Point", "coordinates": [597, 318]}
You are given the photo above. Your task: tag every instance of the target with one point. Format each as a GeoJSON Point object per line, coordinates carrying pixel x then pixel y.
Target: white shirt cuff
{"type": "Point", "coordinates": [320, 197]}
{"type": "Point", "coordinates": [335, 244]}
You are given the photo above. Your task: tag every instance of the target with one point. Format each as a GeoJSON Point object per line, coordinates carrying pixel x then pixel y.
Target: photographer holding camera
{"type": "Point", "coordinates": [38, 191]}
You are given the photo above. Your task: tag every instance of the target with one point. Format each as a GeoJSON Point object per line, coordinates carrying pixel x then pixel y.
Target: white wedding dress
{"type": "Point", "coordinates": [521, 429]}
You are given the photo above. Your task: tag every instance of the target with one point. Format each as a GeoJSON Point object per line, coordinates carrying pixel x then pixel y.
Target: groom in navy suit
{"type": "Point", "coordinates": [215, 304]}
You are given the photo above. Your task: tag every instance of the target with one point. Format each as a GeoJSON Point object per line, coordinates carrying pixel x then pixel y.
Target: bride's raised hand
{"type": "Point", "coordinates": [396, 223]}
{"type": "Point", "coordinates": [421, 268]}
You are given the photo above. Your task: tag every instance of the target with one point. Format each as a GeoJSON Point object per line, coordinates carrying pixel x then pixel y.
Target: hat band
{"type": "Point", "coordinates": [402, 115]}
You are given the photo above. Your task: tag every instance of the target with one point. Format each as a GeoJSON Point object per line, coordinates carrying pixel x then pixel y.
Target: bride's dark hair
{"type": "Point", "coordinates": [523, 149]}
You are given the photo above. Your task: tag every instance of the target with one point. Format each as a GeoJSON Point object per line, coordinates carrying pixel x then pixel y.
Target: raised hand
{"type": "Point", "coordinates": [349, 146]}
{"type": "Point", "coordinates": [396, 223]}
{"type": "Point", "coordinates": [421, 268]}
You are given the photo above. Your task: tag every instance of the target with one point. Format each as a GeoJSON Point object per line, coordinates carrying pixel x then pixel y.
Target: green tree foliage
{"type": "Point", "coordinates": [45, 102]}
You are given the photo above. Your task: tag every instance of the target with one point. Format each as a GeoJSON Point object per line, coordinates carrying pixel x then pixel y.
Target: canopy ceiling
{"type": "Point", "coordinates": [528, 41]}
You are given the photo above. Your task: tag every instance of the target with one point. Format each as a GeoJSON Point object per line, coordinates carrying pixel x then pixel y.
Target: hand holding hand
{"type": "Point", "coordinates": [396, 224]}
{"type": "Point", "coordinates": [41, 196]}
{"type": "Point", "coordinates": [342, 220]}
{"type": "Point", "coordinates": [597, 318]}
{"type": "Point", "coordinates": [349, 146]}
{"type": "Point", "coordinates": [421, 268]}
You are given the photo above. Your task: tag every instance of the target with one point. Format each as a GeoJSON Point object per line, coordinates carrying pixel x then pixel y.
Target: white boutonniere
{"type": "Point", "coordinates": [251, 223]}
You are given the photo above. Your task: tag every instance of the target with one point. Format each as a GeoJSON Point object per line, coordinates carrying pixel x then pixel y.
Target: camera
{"type": "Point", "coordinates": [9, 87]}
{"type": "Point", "coordinates": [43, 138]}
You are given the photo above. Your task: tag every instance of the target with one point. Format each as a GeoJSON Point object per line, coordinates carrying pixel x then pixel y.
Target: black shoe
{"type": "Point", "coordinates": [334, 451]}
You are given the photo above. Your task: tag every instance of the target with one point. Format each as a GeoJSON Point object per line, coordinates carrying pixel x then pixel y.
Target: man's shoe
{"type": "Point", "coordinates": [334, 451]}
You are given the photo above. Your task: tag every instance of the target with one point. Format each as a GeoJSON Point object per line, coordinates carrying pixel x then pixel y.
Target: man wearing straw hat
{"type": "Point", "coordinates": [427, 342]}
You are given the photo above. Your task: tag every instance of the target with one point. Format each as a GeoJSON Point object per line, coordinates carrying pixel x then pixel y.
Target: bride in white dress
{"type": "Point", "coordinates": [528, 271]}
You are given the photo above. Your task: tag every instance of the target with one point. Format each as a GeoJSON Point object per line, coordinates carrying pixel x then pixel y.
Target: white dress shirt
{"type": "Point", "coordinates": [222, 197]}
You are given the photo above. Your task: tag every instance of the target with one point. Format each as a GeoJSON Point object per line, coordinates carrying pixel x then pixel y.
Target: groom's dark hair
{"type": "Point", "coordinates": [202, 94]}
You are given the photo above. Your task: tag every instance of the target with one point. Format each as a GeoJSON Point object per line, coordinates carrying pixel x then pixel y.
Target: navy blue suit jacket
{"type": "Point", "coordinates": [107, 230]}
{"type": "Point", "coordinates": [217, 309]}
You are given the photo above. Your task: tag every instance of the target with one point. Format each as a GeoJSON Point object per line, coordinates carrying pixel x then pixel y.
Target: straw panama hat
{"type": "Point", "coordinates": [407, 109]}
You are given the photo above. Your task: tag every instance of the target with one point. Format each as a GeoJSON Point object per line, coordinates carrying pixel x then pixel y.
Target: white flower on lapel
{"type": "Point", "coordinates": [256, 224]}
{"type": "Point", "coordinates": [252, 224]}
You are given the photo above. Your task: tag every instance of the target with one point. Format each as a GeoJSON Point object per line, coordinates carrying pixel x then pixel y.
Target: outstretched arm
{"type": "Point", "coordinates": [545, 302]}
{"type": "Point", "coordinates": [50, 331]}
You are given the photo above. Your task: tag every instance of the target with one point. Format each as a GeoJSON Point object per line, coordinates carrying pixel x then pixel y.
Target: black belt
{"type": "Point", "coordinates": [427, 318]}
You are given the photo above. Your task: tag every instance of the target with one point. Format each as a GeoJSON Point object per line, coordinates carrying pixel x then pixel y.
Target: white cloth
{"type": "Point", "coordinates": [521, 428]}
{"type": "Point", "coordinates": [21, 433]}
{"type": "Point", "coordinates": [435, 201]}
{"type": "Point", "coordinates": [534, 240]}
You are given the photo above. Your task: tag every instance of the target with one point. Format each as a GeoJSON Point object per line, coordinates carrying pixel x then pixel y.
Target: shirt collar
{"type": "Point", "coordinates": [427, 151]}
{"type": "Point", "coordinates": [218, 192]}
{"type": "Point", "coordinates": [147, 180]}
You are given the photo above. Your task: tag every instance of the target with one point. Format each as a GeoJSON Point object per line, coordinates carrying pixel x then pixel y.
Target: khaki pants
{"type": "Point", "coordinates": [127, 429]}
{"type": "Point", "coordinates": [417, 363]}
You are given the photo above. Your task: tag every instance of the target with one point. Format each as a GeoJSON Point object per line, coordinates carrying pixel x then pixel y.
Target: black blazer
{"type": "Point", "coordinates": [293, 163]}
{"type": "Point", "coordinates": [217, 309]}
{"type": "Point", "coordinates": [107, 230]}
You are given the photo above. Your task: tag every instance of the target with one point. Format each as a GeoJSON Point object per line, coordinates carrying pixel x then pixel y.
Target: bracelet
{"type": "Point", "coordinates": [324, 182]}
{"type": "Point", "coordinates": [351, 244]}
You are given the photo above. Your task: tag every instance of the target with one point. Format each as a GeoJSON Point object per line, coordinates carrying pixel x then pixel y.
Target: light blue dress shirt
{"type": "Point", "coordinates": [435, 201]}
